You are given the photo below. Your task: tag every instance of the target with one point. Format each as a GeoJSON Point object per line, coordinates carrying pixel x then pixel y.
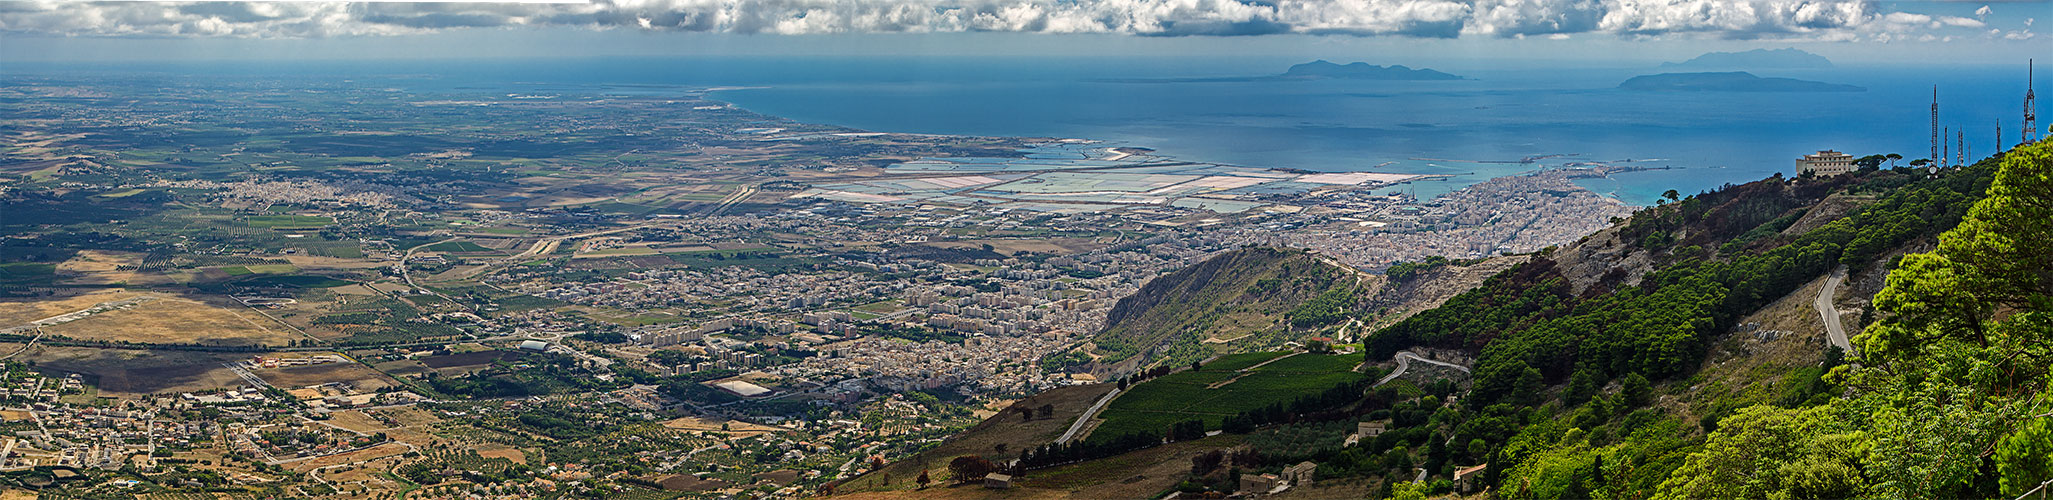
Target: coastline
{"type": "Point", "coordinates": [1123, 149]}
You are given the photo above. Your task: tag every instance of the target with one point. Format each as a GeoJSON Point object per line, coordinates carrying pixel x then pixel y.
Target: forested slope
{"type": "Point", "coordinates": [1634, 363]}
{"type": "Point", "coordinates": [1563, 401]}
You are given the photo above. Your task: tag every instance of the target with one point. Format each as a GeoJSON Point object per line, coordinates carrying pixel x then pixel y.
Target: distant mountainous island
{"type": "Point", "coordinates": [1318, 70]}
{"type": "Point", "coordinates": [1734, 81]}
{"type": "Point", "coordinates": [1755, 59]}
{"type": "Point", "coordinates": [1364, 71]}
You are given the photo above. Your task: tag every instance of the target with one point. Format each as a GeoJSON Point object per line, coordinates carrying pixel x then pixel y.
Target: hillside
{"type": "Point", "coordinates": [1242, 296]}
{"type": "Point", "coordinates": [1264, 299]}
{"type": "Point", "coordinates": [1634, 346]}
{"type": "Point", "coordinates": [1684, 350]}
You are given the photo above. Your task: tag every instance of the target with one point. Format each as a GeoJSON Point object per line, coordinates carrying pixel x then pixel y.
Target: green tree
{"type": "Point", "coordinates": [1956, 365]}
{"type": "Point", "coordinates": [1636, 391]}
{"type": "Point", "coordinates": [968, 468]}
{"type": "Point", "coordinates": [2024, 460]}
{"type": "Point", "coordinates": [1769, 452]}
{"type": "Point", "coordinates": [1580, 387]}
{"type": "Point", "coordinates": [1411, 490]}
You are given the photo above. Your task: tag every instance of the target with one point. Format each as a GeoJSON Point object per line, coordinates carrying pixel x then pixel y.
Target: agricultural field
{"type": "Point", "coordinates": [21, 311]}
{"type": "Point", "coordinates": [289, 221]}
{"type": "Point", "coordinates": [1222, 389]}
{"type": "Point", "coordinates": [361, 378]}
{"type": "Point", "coordinates": [458, 246]}
{"type": "Point", "coordinates": [176, 319]}
{"type": "Point", "coordinates": [128, 373]}
{"type": "Point", "coordinates": [26, 273]}
{"type": "Point", "coordinates": [97, 267]}
{"type": "Point", "coordinates": [1236, 362]}
{"type": "Point", "coordinates": [737, 429]}
{"type": "Point", "coordinates": [1001, 428]}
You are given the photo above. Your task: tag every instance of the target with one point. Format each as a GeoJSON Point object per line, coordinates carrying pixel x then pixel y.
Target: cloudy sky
{"type": "Point", "coordinates": [1861, 30]}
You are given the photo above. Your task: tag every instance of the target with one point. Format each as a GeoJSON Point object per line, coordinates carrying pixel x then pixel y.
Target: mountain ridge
{"type": "Point", "coordinates": [1784, 58]}
{"type": "Point", "coordinates": [1364, 71]}
{"type": "Point", "coordinates": [1729, 81]}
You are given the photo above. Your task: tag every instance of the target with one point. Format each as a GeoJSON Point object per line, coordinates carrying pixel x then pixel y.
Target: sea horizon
{"type": "Point", "coordinates": [1495, 123]}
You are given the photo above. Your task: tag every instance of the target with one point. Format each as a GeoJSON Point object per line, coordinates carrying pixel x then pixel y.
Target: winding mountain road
{"type": "Point", "coordinates": [1404, 359]}
{"type": "Point", "coordinates": [1828, 313]}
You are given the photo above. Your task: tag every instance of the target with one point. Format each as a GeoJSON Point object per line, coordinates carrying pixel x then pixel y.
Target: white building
{"type": "Point", "coordinates": [1827, 162]}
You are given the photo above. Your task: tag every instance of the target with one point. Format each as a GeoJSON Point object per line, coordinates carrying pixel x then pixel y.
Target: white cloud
{"type": "Point", "coordinates": [1960, 22]}
{"type": "Point", "coordinates": [1736, 19]}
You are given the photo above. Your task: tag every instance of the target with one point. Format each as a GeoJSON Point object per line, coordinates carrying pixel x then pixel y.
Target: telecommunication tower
{"type": "Point", "coordinates": [1935, 125]}
{"type": "Point", "coordinates": [2031, 117]}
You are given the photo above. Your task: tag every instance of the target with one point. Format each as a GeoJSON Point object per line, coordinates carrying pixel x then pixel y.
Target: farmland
{"type": "Point", "coordinates": [175, 321]}
{"type": "Point", "coordinates": [289, 221]}
{"type": "Point", "coordinates": [1221, 390]}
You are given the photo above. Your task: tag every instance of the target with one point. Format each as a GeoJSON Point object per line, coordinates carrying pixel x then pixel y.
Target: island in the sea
{"type": "Point", "coordinates": [1733, 81]}
{"type": "Point", "coordinates": [1363, 71]}
{"type": "Point", "coordinates": [1755, 59]}
{"type": "Point", "coordinates": [1320, 70]}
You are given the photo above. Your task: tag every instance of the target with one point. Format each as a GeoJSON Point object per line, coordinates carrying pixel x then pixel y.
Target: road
{"type": "Point", "coordinates": [1085, 418]}
{"type": "Point", "coordinates": [406, 274]}
{"type": "Point", "coordinates": [274, 319]}
{"type": "Point", "coordinates": [24, 348]}
{"type": "Point", "coordinates": [1351, 323]}
{"type": "Point", "coordinates": [1404, 360]}
{"type": "Point", "coordinates": [1828, 313]}
{"type": "Point", "coordinates": [252, 378]}
{"type": "Point", "coordinates": [743, 194]}
{"type": "Point", "coordinates": [542, 247]}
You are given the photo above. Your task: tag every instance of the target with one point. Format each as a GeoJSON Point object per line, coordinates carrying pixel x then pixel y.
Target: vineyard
{"type": "Point", "coordinates": [1155, 405]}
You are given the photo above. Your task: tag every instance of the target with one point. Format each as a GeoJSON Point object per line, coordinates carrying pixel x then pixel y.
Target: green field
{"type": "Point", "coordinates": [457, 246]}
{"type": "Point", "coordinates": [27, 269]}
{"type": "Point", "coordinates": [1154, 405]}
{"type": "Point", "coordinates": [1313, 364]}
{"type": "Point", "coordinates": [289, 221]}
{"type": "Point", "coordinates": [26, 273]}
{"type": "Point", "coordinates": [1240, 361]}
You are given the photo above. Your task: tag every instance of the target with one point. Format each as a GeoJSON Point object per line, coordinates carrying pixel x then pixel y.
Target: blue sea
{"type": "Point", "coordinates": [1476, 129]}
